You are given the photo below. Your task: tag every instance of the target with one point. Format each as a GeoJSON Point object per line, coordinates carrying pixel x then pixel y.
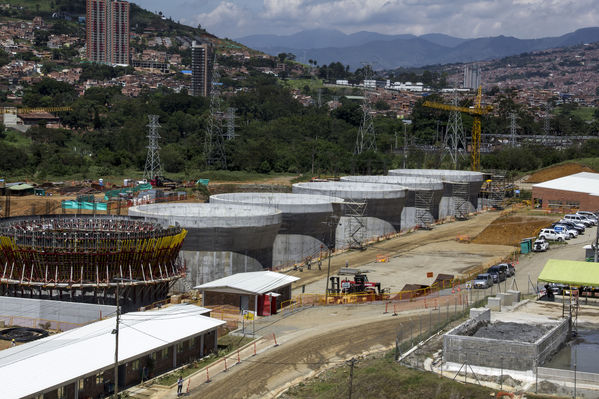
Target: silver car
{"type": "Point", "coordinates": [484, 280]}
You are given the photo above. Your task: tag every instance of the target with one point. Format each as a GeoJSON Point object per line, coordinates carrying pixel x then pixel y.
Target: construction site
{"type": "Point", "coordinates": [87, 258]}
{"type": "Point", "coordinates": [357, 266]}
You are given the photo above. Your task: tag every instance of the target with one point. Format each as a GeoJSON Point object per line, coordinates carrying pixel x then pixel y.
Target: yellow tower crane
{"type": "Point", "coordinates": [478, 110]}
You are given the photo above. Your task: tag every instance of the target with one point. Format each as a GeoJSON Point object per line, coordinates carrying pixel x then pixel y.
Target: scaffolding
{"type": "Point", "coordinates": [424, 208]}
{"type": "Point", "coordinates": [355, 228]}
{"type": "Point", "coordinates": [461, 200]}
{"type": "Point", "coordinates": [87, 251]}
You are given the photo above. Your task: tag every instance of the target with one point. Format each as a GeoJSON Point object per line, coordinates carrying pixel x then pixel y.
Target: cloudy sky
{"type": "Point", "coordinates": [461, 18]}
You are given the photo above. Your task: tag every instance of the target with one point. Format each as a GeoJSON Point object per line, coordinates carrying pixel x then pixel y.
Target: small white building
{"type": "Point", "coordinates": [80, 362]}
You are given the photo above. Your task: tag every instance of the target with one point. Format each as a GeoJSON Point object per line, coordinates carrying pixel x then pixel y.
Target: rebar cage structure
{"type": "Point", "coordinates": [87, 252]}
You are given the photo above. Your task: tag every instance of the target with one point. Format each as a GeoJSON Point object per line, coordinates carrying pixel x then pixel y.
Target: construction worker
{"type": "Point", "coordinates": [319, 264]}
{"type": "Point", "coordinates": [13, 343]}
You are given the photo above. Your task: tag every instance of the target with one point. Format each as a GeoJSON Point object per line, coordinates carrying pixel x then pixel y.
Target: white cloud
{"type": "Point", "coordinates": [463, 18]}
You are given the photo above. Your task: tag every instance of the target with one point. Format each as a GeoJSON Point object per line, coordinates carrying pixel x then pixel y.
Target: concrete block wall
{"type": "Point", "coordinates": [494, 303]}
{"type": "Point", "coordinates": [485, 352]}
{"type": "Point", "coordinates": [552, 341]}
{"type": "Point", "coordinates": [483, 314]}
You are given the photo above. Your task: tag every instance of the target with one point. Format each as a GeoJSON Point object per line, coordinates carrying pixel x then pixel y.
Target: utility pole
{"type": "Point", "coordinates": [116, 344]}
{"type": "Point", "coordinates": [330, 246]}
{"type": "Point", "coordinates": [596, 243]}
{"type": "Point", "coordinates": [351, 375]}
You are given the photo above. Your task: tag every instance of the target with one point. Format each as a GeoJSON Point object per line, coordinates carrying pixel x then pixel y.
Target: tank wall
{"type": "Point", "coordinates": [289, 249]}
{"type": "Point", "coordinates": [206, 266]}
{"type": "Point", "coordinates": [373, 228]}
{"type": "Point", "coordinates": [408, 218]}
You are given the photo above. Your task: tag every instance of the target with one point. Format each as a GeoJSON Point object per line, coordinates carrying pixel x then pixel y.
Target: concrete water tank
{"type": "Point", "coordinates": [221, 240]}
{"type": "Point", "coordinates": [307, 227]}
{"type": "Point", "coordinates": [370, 210]}
{"type": "Point", "coordinates": [422, 200]}
{"type": "Point", "coordinates": [460, 192]}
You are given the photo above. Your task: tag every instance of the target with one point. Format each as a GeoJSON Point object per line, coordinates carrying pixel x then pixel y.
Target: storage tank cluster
{"type": "Point", "coordinates": [241, 232]}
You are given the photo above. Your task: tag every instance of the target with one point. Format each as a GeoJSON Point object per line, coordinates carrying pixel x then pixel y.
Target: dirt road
{"type": "Point", "coordinates": [267, 375]}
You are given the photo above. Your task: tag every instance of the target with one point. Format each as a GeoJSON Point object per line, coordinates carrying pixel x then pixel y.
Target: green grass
{"type": "Point", "coordinates": [300, 83]}
{"type": "Point", "coordinates": [231, 343]}
{"type": "Point", "coordinates": [584, 113]}
{"type": "Point", "coordinates": [44, 5]}
{"type": "Point", "coordinates": [384, 378]}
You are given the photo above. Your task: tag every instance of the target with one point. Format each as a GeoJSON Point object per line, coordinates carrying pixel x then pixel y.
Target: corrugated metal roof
{"type": "Point", "coordinates": [583, 182]}
{"type": "Point", "coordinates": [51, 362]}
{"type": "Point", "coordinates": [251, 282]}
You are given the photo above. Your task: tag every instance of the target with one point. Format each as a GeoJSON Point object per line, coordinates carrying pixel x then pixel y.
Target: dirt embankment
{"type": "Point", "coordinates": [555, 172]}
{"type": "Point", "coordinates": [510, 230]}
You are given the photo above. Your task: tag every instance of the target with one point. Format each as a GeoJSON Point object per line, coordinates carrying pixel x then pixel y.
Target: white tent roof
{"type": "Point", "coordinates": [251, 282]}
{"type": "Point", "coordinates": [48, 363]}
{"type": "Point", "coordinates": [583, 182]}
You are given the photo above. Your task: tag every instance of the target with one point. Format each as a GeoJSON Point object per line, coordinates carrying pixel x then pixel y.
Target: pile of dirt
{"type": "Point", "coordinates": [510, 230]}
{"type": "Point", "coordinates": [512, 331]}
{"type": "Point", "coordinates": [555, 172]}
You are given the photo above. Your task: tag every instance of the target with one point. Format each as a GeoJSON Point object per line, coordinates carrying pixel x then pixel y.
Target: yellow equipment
{"type": "Point", "coordinates": [478, 110]}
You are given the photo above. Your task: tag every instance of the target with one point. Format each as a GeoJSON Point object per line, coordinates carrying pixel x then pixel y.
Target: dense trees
{"type": "Point", "coordinates": [106, 134]}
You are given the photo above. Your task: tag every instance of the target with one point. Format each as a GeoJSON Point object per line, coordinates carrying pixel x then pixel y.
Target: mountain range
{"type": "Point", "coordinates": [393, 51]}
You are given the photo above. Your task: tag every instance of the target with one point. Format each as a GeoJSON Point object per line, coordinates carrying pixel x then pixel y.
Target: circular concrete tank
{"type": "Point", "coordinates": [304, 232]}
{"type": "Point", "coordinates": [221, 239]}
{"type": "Point", "coordinates": [422, 199]}
{"type": "Point", "coordinates": [460, 193]}
{"type": "Point", "coordinates": [379, 215]}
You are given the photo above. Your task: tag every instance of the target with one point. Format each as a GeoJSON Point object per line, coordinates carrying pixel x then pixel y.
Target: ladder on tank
{"type": "Point", "coordinates": [355, 227]}
{"type": "Point", "coordinates": [424, 209]}
{"type": "Point", "coordinates": [461, 200]}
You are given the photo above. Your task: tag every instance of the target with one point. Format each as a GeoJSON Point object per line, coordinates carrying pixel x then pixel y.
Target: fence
{"type": "Point", "coordinates": [436, 288]}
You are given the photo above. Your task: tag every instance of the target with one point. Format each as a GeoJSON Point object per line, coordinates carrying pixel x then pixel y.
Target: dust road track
{"type": "Point", "coordinates": [268, 374]}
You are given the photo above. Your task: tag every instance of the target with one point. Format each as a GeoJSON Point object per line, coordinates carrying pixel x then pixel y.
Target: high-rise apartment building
{"type": "Point", "coordinates": [201, 69]}
{"type": "Point", "coordinates": [471, 77]}
{"type": "Point", "coordinates": [108, 31]}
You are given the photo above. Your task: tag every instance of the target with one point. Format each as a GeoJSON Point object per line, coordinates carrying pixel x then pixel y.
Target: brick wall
{"type": "Point", "coordinates": [223, 298]}
{"type": "Point", "coordinates": [587, 202]}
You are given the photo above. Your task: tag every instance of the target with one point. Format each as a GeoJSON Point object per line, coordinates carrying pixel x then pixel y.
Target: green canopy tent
{"type": "Point", "coordinates": [570, 272]}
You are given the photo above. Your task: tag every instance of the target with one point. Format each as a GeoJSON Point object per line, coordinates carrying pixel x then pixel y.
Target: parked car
{"type": "Point", "coordinates": [576, 226]}
{"type": "Point", "coordinates": [484, 280]}
{"type": "Point", "coordinates": [540, 245]}
{"type": "Point", "coordinates": [589, 219]}
{"type": "Point", "coordinates": [497, 272]}
{"type": "Point", "coordinates": [505, 268]}
{"type": "Point", "coordinates": [552, 235]}
{"type": "Point", "coordinates": [588, 214]}
{"type": "Point", "coordinates": [570, 233]}
{"type": "Point", "coordinates": [509, 268]}
{"type": "Point", "coordinates": [578, 218]}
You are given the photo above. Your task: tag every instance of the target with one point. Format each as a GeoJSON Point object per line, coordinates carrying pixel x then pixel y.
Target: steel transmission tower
{"type": "Point", "coordinates": [230, 117]}
{"type": "Point", "coordinates": [513, 129]}
{"type": "Point", "coordinates": [455, 138]}
{"type": "Point", "coordinates": [366, 139]}
{"type": "Point", "coordinates": [153, 167]}
{"type": "Point", "coordinates": [547, 122]}
{"type": "Point", "coordinates": [214, 141]}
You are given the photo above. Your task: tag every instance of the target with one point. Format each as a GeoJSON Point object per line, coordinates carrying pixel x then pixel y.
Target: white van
{"type": "Point", "coordinates": [578, 218]}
